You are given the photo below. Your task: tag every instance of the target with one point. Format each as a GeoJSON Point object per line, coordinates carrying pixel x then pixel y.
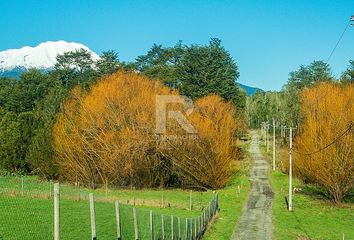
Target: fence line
{"type": "Point", "coordinates": [197, 225]}
{"type": "Point", "coordinates": [34, 187]}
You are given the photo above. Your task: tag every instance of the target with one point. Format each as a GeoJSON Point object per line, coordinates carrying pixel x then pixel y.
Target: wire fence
{"type": "Point", "coordinates": [26, 211]}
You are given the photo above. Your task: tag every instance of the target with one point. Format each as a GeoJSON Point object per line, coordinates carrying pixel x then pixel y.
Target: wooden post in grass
{"type": "Point", "coordinates": [50, 189]}
{"type": "Point", "coordinates": [106, 188]}
{"type": "Point", "coordinates": [268, 136]}
{"type": "Point", "coordinates": [172, 229]}
{"type": "Point", "coordinates": [163, 227]}
{"type": "Point", "coordinates": [22, 186]}
{"type": "Point", "coordinates": [210, 212]}
{"type": "Point", "coordinates": [195, 228]}
{"type": "Point", "coordinates": [264, 134]}
{"type": "Point", "coordinates": [92, 216]}
{"type": "Point", "coordinates": [119, 230]}
{"type": "Point", "coordinates": [204, 221]}
{"type": "Point", "coordinates": [186, 230]}
{"type": "Point", "coordinates": [152, 225]}
{"type": "Point", "coordinates": [56, 211]}
{"type": "Point", "coordinates": [273, 144]}
{"type": "Point", "coordinates": [191, 229]}
{"type": "Point", "coordinates": [162, 198]}
{"type": "Point", "coordinates": [291, 170]}
{"type": "Point", "coordinates": [78, 191]}
{"type": "Point", "coordinates": [134, 196]}
{"type": "Point", "coordinates": [197, 223]}
{"type": "Point", "coordinates": [136, 231]}
{"type": "Point", "coordinates": [190, 200]}
{"type": "Point", "coordinates": [201, 222]}
{"type": "Point", "coordinates": [179, 228]}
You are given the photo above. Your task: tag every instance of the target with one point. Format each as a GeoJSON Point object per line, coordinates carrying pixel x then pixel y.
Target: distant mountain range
{"type": "Point", "coordinates": [15, 61]}
{"type": "Point", "coordinates": [249, 90]}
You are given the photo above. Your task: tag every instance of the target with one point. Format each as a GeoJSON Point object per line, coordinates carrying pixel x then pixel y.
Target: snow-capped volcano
{"type": "Point", "coordinates": [42, 56]}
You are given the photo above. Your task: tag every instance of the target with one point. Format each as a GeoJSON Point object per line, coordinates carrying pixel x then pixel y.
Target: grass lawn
{"type": "Point", "coordinates": [28, 217]}
{"type": "Point", "coordinates": [312, 217]}
{"type": "Point", "coordinates": [231, 203]}
{"type": "Point", "coordinates": [231, 206]}
{"type": "Point", "coordinates": [32, 218]}
{"type": "Point", "coordinates": [28, 213]}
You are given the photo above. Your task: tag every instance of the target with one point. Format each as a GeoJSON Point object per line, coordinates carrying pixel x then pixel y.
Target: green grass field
{"type": "Point", "coordinates": [27, 213]}
{"type": "Point", "coordinates": [231, 206]}
{"type": "Point", "coordinates": [31, 216]}
{"type": "Point", "coordinates": [312, 217]}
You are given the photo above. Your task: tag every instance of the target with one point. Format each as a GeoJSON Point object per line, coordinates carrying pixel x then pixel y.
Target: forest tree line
{"type": "Point", "coordinates": [31, 111]}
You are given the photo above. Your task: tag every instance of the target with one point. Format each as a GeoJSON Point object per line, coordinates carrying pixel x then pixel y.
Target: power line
{"type": "Point", "coordinates": [331, 143]}
{"type": "Point", "coordinates": [340, 38]}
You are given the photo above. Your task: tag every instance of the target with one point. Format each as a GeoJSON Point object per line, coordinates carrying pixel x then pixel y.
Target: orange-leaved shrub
{"type": "Point", "coordinates": [108, 135]}
{"type": "Point", "coordinates": [207, 158]}
{"type": "Point", "coordinates": [327, 111]}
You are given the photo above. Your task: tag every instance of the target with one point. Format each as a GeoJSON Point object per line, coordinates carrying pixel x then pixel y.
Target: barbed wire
{"type": "Point", "coordinates": [329, 144]}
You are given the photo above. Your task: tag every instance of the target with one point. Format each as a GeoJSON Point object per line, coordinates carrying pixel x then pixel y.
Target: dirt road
{"type": "Point", "coordinates": [256, 221]}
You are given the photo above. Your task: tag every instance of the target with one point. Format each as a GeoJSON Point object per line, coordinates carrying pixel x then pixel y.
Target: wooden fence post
{"type": "Point", "coordinates": [179, 228]}
{"type": "Point", "coordinates": [152, 225]}
{"type": "Point", "coordinates": [273, 145]}
{"type": "Point", "coordinates": [119, 230]}
{"type": "Point", "coordinates": [204, 220]}
{"type": "Point", "coordinates": [22, 186]}
{"type": "Point", "coordinates": [195, 228]}
{"type": "Point", "coordinates": [198, 225]}
{"type": "Point", "coordinates": [78, 191]}
{"type": "Point", "coordinates": [136, 230]}
{"type": "Point", "coordinates": [186, 230]}
{"type": "Point", "coordinates": [190, 200]}
{"type": "Point", "coordinates": [209, 212]}
{"type": "Point", "coordinates": [134, 196]}
{"type": "Point", "coordinates": [50, 189]}
{"type": "Point", "coordinates": [56, 211]}
{"type": "Point", "coordinates": [191, 229]}
{"type": "Point", "coordinates": [163, 227]}
{"type": "Point", "coordinates": [162, 199]}
{"type": "Point", "coordinates": [92, 214]}
{"type": "Point", "coordinates": [172, 228]}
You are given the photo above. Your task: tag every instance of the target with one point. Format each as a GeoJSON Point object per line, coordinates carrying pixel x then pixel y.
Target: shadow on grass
{"type": "Point", "coordinates": [319, 193]}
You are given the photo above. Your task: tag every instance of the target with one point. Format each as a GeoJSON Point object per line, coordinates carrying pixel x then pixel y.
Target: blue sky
{"type": "Point", "coordinates": [267, 39]}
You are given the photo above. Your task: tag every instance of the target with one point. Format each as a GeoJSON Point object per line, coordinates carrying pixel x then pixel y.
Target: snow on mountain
{"type": "Point", "coordinates": [42, 56]}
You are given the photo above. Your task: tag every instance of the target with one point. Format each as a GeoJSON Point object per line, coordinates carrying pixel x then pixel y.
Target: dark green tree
{"type": "Point", "coordinates": [348, 75]}
{"type": "Point", "coordinates": [306, 76]}
{"type": "Point", "coordinates": [108, 63]}
{"type": "Point", "coordinates": [40, 152]}
{"type": "Point", "coordinates": [75, 67]}
{"type": "Point", "coordinates": [10, 144]}
{"type": "Point", "coordinates": [162, 63]}
{"type": "Point", "coordinates": [210, 69]}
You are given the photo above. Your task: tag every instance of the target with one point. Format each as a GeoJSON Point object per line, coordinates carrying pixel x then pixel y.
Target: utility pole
{"type": "Point", "coordinates": [291, 170]}
{"type": "Point", "coordinates": [273, 144]}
